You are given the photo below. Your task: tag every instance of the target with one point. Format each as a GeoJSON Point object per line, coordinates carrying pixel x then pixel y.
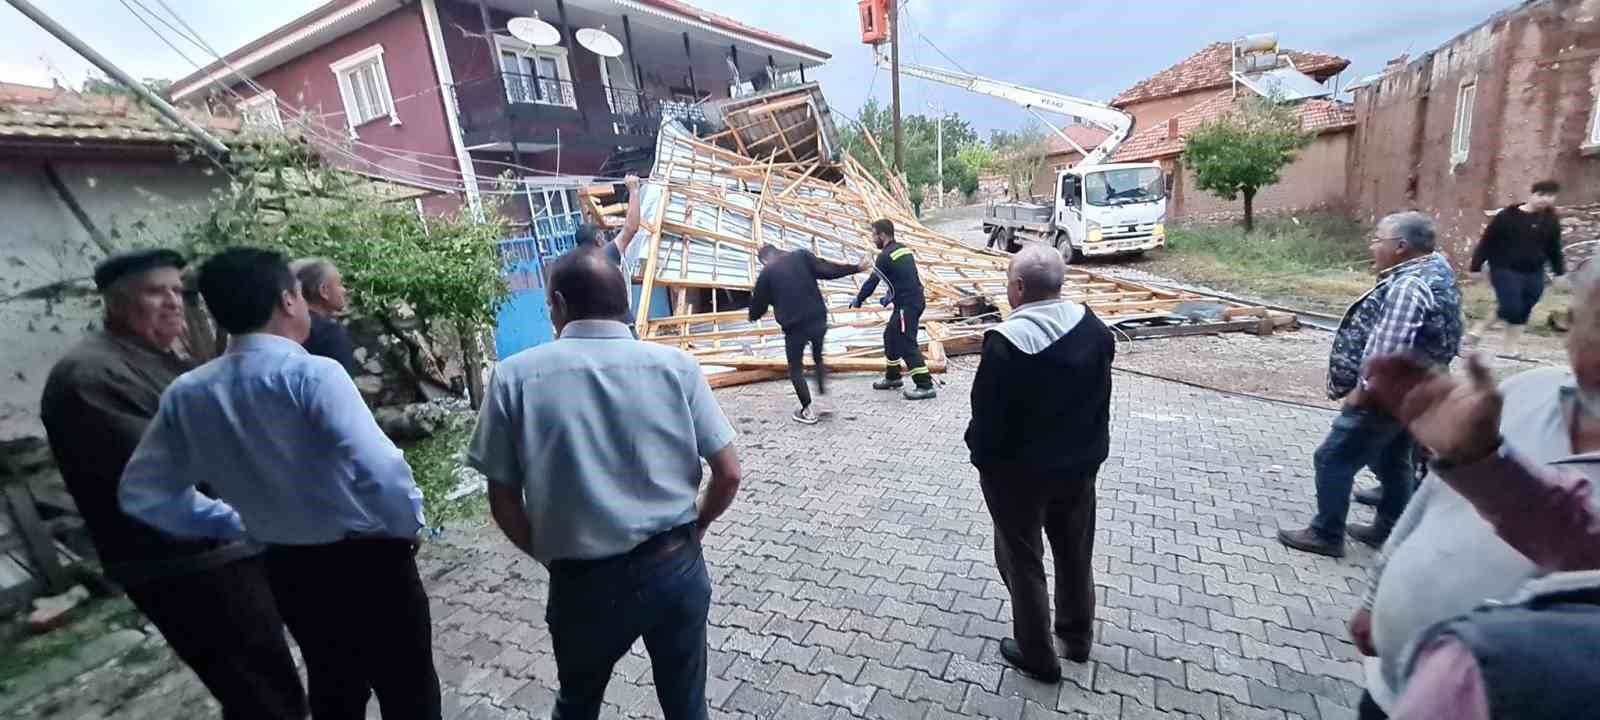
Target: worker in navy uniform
{"type": "Point", "coordinates": [897, 268]}
{"type": "Point", "coordinates": [209, 598]}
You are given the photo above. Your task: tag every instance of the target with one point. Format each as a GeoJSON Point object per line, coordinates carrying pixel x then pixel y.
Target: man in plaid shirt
{"type": "Point", "coordinates": [1415, 309]}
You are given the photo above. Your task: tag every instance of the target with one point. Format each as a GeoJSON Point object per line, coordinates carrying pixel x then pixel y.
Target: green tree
{"type": "Point", "coordinates": [1239, 153]}
{"type": "Point", "coordinates": [1020, 154]}
{"type": "Point", "coordinates": [101, 85]}
{"type": "Point", "coordinates": [921, 148]}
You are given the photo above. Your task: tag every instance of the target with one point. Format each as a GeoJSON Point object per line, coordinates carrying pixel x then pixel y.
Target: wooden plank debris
{"type": "Point", "coordinates": [766, 177]}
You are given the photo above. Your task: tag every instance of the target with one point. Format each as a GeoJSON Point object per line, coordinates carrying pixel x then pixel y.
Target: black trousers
{"type": "Point", "coordinates": [794, 346]}
{"type": "Point", "coordinates": [900, 344]}
{"type": "Point", "coordinates": [224, 625]}
{"type": "Point", "coordinates": [360, 614]}
{"type": "Point", "coordinates": [1021, 504]}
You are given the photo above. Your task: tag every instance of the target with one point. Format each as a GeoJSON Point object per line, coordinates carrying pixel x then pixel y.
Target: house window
{"type": "Point", "coordinates": [364, 87]}
{"type": "Point", "coordinates": [1594, 123]}
{"type": "Point", "coordinates": [535, 74]}
{"type": "Point", "coordinates": [1461, 133]}
{"type": "Point", "coordinates": [261, 111]}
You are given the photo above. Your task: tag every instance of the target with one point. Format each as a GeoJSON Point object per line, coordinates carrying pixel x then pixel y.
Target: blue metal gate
{"type": "Point", "coordinates": [524, 319]}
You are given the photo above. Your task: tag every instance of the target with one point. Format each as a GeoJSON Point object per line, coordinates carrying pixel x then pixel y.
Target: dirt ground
{"type": "Point", "coordinates": [1288, 366]}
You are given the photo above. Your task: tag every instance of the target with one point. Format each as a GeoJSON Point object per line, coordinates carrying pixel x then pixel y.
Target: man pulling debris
{"type": "Point", "coordinates": [788, 283]}
{"type": "Point", "coordinates": [897, 267]}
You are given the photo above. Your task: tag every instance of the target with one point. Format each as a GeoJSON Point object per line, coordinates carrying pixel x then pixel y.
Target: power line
{"type": "Point", "coordinates": [334, 144]}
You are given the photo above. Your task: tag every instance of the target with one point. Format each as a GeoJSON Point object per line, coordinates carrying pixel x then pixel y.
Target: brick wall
{"type": "Point", "coordinates": [1316, 180]}
{"type": "Point", "coordinates": [1536, 69]}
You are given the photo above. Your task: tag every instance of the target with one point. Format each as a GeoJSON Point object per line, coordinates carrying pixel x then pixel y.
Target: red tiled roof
{"type": "Point", "coordinates": [1209, 68]}
{"type": "Point", "coordinates": [332, 6]}
{"type": "Point", "coordinates": [1317, 115]}
{"type": "Point", "coordinates": [1086, 136]}
{"type": "Point", "coordinates": [57, 115]}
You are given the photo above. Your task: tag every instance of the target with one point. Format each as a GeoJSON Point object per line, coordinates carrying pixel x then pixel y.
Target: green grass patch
{"type": "Point", "coordinates": [93, 618]}
{"type": "Point", "coordinates": [433, 464]}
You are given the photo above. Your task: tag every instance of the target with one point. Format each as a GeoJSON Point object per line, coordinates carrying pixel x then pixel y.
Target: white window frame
{"type": "Point", "coordinates": [1594, 125]}
{"type": "Point", "coordinates": [342, 69]}
{"type": "Point", "coordinates": [506, 44]}
{"type": "Point", "coordinates": [1461, 129]}
{"type": "Point", "coordinates": [264, 100]}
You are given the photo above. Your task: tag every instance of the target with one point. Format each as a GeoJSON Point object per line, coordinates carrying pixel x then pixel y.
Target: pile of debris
{"type": "Point", "coordinates": [769, 171]}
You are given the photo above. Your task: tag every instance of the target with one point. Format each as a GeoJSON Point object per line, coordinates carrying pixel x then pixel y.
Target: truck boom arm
{"type": "Point", "coordinates": [1101, 115]}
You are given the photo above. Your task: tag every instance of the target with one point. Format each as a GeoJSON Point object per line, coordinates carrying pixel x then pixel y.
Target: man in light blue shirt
{"type": "Point", "coordinates": [297, 462]}
{"type": "Point", "coordinates": [592, 446]}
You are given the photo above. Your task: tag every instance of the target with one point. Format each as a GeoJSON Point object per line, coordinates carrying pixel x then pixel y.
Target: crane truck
{"type": "Point", "coordinates": [1099, 209]}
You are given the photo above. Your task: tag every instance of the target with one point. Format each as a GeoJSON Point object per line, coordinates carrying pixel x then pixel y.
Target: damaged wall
{"type": "Point", "coordinates": [1535, 72]}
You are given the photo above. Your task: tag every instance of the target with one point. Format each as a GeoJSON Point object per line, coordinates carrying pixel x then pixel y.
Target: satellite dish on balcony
{"type": "Point", "coordinates": [600, 42]}
{"type": "Point", "coordinates": [534, 31]}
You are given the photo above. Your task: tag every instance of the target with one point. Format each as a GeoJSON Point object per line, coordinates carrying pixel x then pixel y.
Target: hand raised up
{"type": "Point", "coordinates": [1458, 419]}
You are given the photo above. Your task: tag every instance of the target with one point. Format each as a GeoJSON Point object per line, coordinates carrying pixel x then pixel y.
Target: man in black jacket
{"type": "Point", "coordinates": [1041, 427]}
{"type": "Point", "coordinates": [1520, 242]}
{"type": "Point", "coordinates": [788, 283]}
{"type": "Point", "coordinates": [897, 267]}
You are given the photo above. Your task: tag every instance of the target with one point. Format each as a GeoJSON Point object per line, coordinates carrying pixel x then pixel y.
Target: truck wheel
{"type": "Point", "coordinates": [1069, 254]}
{"type": "Point", "coordinates": [994, 237]}
{"type": "Point", "coordinates": [1010, 238]}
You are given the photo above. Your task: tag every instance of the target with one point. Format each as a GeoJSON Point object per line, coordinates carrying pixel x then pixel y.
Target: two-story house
{"type": "Point", "coordinates": [443, 93]}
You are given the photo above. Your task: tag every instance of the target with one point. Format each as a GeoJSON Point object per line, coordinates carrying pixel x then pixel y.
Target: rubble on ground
{"type": "Point", "coordinates": [769, 171]}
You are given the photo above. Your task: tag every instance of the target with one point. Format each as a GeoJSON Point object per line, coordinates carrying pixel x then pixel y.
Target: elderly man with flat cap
{"type": "Point", "coordinates": [210, 599]}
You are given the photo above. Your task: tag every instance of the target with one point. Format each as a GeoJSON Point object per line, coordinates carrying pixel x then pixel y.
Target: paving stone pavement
{"type": "Point", "coordinates": [854, 576]}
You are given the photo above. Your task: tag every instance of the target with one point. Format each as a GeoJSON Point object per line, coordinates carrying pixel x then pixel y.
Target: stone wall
{"type": "Point", "coordinates": [1534, 70]}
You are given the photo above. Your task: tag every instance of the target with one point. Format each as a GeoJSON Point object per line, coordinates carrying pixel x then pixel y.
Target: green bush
{"type": "Point", "coordinates": [433, 464]}
{"type": "Point", "coordinates": [1279, 246]}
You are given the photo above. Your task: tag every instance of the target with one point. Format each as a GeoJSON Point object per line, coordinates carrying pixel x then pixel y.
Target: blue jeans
{"type": "Point", "coordinates": [1361, 438]}
{"type": "Point", "coordinates": [597, 609]}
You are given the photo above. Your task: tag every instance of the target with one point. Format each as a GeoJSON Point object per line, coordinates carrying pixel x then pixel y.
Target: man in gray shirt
{"type": "Point", "coordinates": [592, 447]}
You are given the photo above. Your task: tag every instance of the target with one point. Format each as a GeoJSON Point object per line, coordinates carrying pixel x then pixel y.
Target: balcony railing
{"type": "Point", "coordinates": [516, 107]}
{"type": "Point", "coordinates": [545, 90]}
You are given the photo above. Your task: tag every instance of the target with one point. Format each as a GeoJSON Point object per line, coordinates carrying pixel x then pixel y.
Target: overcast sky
{"type": "Point", "coordinates": [1087, 49]}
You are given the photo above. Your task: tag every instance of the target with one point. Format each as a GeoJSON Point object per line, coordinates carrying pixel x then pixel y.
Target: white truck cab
{"type": "Point", "coordinates": [1110, 209]}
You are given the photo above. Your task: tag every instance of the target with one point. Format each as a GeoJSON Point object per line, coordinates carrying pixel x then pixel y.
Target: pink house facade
{"type": "Point", "coordinates": [440, 94]}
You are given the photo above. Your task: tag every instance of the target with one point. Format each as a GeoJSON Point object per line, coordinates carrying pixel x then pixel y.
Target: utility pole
{"type": "Point", "coordinates": [894, 72]}
{"type": "Point", "coordinates": [939, 143]}
{"type": "Point", "coordinates": [210, 142]}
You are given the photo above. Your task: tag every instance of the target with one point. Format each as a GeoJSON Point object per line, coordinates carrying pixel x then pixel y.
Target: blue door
{"type": "Point", "coordinates": [524, 319]}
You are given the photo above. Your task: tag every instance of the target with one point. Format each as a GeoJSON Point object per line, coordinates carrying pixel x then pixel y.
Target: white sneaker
{"type": "Point", "coordinates": [804, 416]}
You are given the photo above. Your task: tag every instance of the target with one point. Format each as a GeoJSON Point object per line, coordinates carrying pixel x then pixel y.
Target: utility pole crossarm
{"type": "Point", "coordinates": [1118, 123]}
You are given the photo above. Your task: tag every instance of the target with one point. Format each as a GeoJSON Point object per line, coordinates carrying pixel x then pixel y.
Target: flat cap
{"type": "Point", "coordinates": [117, 266]}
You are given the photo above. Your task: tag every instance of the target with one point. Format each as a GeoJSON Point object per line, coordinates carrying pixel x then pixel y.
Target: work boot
{"type": "Point", "coordinates": [1012, 653]}
{"type": "Point", "coordinates": [1373, 534]}
{"type": "Point", "coordinates": [891, 381]}
{"type": "Point", "coordinates": [1308, 540]}
{"type": "Point", "coordinates": [920, 392]}
{"type": "Point", "coordinates": [1370, 496]}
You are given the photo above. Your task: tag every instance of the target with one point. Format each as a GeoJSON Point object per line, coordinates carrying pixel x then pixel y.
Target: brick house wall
{"type": "Point", "coordinates": [1315, 181]}
{"type": "Point", "coordinates": [1536, 69]}
{"type": "Point", "coordinates": [1044, 179]}
{"type": "Point", "coordinates": [1158, 111]}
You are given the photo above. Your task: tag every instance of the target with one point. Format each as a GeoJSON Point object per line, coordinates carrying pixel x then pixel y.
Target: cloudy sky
{"type": "Point", "coordinates": [1087, 49]}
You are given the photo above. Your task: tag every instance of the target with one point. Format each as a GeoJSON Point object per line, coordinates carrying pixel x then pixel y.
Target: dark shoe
{"type": "Point", "coordinates": [1308, 540]}
{"type": "Point", "coordinates": [888, 384]}
{"type": "Point", "coordinates": [1013, 655]}
{"type": "Point", "coordinates": [1077, 650]}
{"type": "Point", "coordinates": [1370, 534]}
{"type": "Point", "coordinates": [920, 393]}
{"type": "Point", "coordinates": [1370, 496]}
{"type": "Point", "coordinates": [804, 416]}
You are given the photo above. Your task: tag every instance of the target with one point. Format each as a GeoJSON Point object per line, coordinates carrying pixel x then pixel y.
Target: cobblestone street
{"type": "Point", "coordinates": [854, 577]}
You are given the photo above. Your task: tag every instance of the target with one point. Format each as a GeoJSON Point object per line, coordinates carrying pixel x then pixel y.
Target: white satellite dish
{"type": "Point", "coordinates": [600, 42]}
{"type": "Point", "coordinates": [534, 31]}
